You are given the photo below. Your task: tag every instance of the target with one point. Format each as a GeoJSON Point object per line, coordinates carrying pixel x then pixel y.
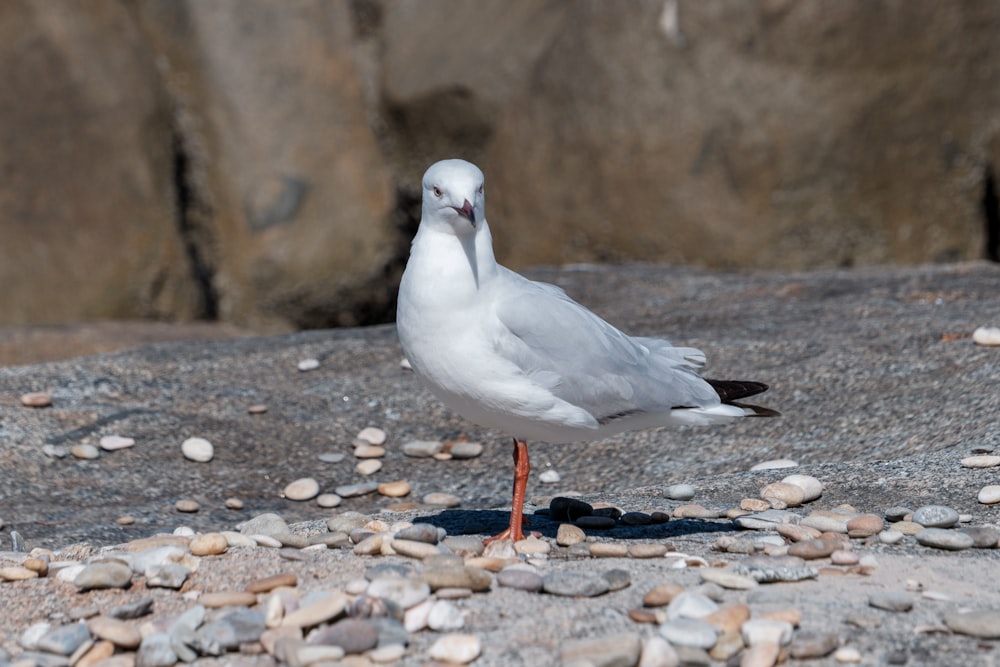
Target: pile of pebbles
{"type": "Point", "coordinates": [417, 580]}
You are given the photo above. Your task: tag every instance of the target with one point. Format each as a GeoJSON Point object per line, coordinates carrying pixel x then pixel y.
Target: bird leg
{"type": "Point", "coordinates": [521, 469]}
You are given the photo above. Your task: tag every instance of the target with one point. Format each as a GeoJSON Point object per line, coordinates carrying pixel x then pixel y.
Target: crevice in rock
{"type": "Point", "coordinates": [991, 215]}
{"type": "Point", "coordinates": [187, 205]}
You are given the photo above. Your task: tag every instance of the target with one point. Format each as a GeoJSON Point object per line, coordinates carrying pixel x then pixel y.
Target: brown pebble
{"type": "Point", "coordinates": [729, 618]}
{"type": "Point", "coordinates": [17, 573]}
{"type": "Point", "coordinates": [487, 563]}
{"type": "Point", "coordinates": [99, 651]}
{"type": "Point", "coordinates": [788, 493]}
{"type": "Point", "coordinates": [208, 544]}
{"type": "Point", "coordinates": [865, 525]}
{"type": "Point", "coordinates": [789, 615]}
{"type": "Point", "coordinates": [125, 520]}
{"type": "Point", "coordinates": [695, 512]}
{"type": "Point", "coordinates": [797, 533]}
{"type": "Point", "coordinates": [257, 409]}
{"type": "Point", "coordinates": [39, 565]}
{"type": "Point", "coordinates": [267, 584]}
{"type": "Point", "coordinates": [661, 594]}
{"type": "Point", "coordinates": [813, 549]}
{"type": "Point", "coordinates": [906, 527]}
{"type": "Point", "coordinates": [754, 504]}
{"type": "Point", "coordinates": [643, 616]}
{"type": "Point", "coordinates": [187, 506]}
{"type": "Point", "coordinates": [608, 550]}
{"type": "Point", "coordinates": [36, 399]}
{"type": "Point", "coordinates": [659, 517]}
{"type": "Point", "coordinates": [567, 535]}
{"type": "Point", "coordinates": [647, 550]}
{"type": "Point", "coordinates": [227, 599]}
{"type": "Point", "coordinates": [394, 489]}
{"type": "Point", "coordinates": [234, 504]}
{"type": "Point", "coordinates": [115, 631]}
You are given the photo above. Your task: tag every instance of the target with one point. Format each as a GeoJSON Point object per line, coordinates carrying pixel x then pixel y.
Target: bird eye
{"type": "Point", "coordinates": [437, 191]}
{"type": "Point", "coordinates": [480, 189]}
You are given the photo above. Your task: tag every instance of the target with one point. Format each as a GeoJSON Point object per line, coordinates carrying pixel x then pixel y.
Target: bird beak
{"type": "Point", "coordinates": [467, 212]}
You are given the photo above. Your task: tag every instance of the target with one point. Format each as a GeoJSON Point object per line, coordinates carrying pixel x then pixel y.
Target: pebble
{"type": "Point", "coordinates": [567, 535]}
{"type": "Point", "coordinates": [414, 549]}
{"type": "Point", "coordinates": [532, 546]}
{"type": "Point", "coordinates": [366, 451]}
{"type": "Point", "coordinates": [766, 631]}
{"type": "Point", "coordinates": [617, 649]}
{"type": "Point", "coordinates": [813, 549]}
{"type": "Point", "coordinates": [473, 578]}
{"type": "Point", "coordinates": [865, 525]}
{"type": "Point", "coordinates": [935, 516]}
{"type": "Point", "coordinates": [890, 536]}
{"type": "Point", "coordinates": [17, 573]}
{"type": "Point", "coordinates": [353, 635]}
{"type": "Point", "coordinates": [754, 505]}
{"type": "Point", "coordinates": [767, 520]}
{"type": "Point", "coordinates": [166, 575]}
{"type": "Point", "coordinates": [764, 654]}
{"type": "Point", "coordinates": [662, 594]}
{"type": "Point", "coordinates": [942, 538]}
{"type": "Point", "coordinates": [372, 435]}
{"type": "Point", "coordinates": [208, 544]}
{"type": "Point", "coordinates": [811, 487]}
{"type": "Point", "coordinates": [328, 500]}
{"type": "Point", "coordinates": [775, 464]}
{"type": "Point", "coordinates": [808, 646]}
{"type": "Point", "coordinates": [847, 655]}
{"type": "Point", "coordinates": [314, 613]}
{"type": "Point", "coordinates": [156, 650]}
{"type": "Point", "coordinates": [394, 489]}
{"type": "Point", "coordinates": [608, 550]}
{"type": "Point", "coordinates": [729, 618]}
{"type": "Point", "coordinates": [727, 578]}
{"type": "Point", "coordinates": [679, 492]}
{"type": "Point", "coordinates": [445, 617]}
{"type": "Point", "coordinates": [308, 364]}
{"type": "Point", "coordinates": [983, 537]}
{"type": "Point", "coordinates": [988, 336]}
{"type": "Point", "coordinates": [990, 494]}
{"type": "Point", "coordinates": [891, 600]}
{"type": "Point", "coordinates": [36, 399]}
{"type": "Point", "coordinates": [983, 623]}
{"type": "Point", "coordinates": [187, 506]}
{"type": "Point", "coordinates": [64, 639]}
{"type": "Point", "coordinates": [105, 574]}
{"type": "Point", "coordinates": [304, 488]}
{"type": "Point", "coordinates": [981, 461]}
{"type": "Point", "coordinates": [456, 648]}
{"type": "Point", "coordinates": [439, 499]}
{"type": "Point", "coordinates": [657, 652]}
{"type": "Point", "coordinates": [402, 591]}
{"type": "Point", "coordinates": [906, 527]}
{"type": "Point", "coordinates": [790, 494]}
{"type": "Point", "coordinates": [568, 509]}
{"type": "Point", "coordinates": [268, 584]}
{"type": "Point", "coordinates": [419, 532]}
{"type": "Point", "coordinates": [331, 457]}
{"type": "Point", "coordinates": [647, 550]}
{"type": "Point", "coordinates": [422, 449]}
{"type": "Point", "coordinates": [550, 477]}
{"type": "Point", "coordinates": [574, 584]}
{"type": "Point", "coordinates": [770, 569]}
{"type": "Point", "coordinates": [897, 513]}
{"type": "Point", "coordinates": [54, 451]}
{"type": "Point", "coordinates": [689, 632]}
{"type": "Point", "coordinates": [198, 449]}
{"type": "Point", "coordinates": [596, 522]}
{"type": "Point", "coordinates": [85, 451]}
{"type": "Point", "coordinates": [267, 523]}
{"type": "Point", "coordinates": [219, 599]}
{"type": "Point", "coordinates": [617, 579]}
{"type": "Point", "coordinates": [354, 490]}
{"type": "Point", "coordinates": [368, 467]}
{"type": "Point", "coordinates": [696, 512]}
{"type": "Point", "coordinates": [257, 409]}
{"type": "Point", "coordinates": [826, 521]}
{"type": "Point", "coordinates": [691, 604]}
{"type": "Point", "coordinates": [844, 557]}
{"type": "Point", "coordinates": [467, 450]}
{"type": "Point", "coordinates": [521, 579]}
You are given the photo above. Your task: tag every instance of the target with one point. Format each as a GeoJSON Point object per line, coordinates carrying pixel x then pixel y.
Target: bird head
{"type": "Point", "coordinates": [453, 196]}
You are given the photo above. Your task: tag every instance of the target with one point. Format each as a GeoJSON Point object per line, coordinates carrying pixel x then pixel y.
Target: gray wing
{"type": "Point", "coordinates": [587, 362]}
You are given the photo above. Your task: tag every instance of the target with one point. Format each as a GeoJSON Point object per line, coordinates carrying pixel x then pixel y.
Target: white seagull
{"type": "Point", "coordinates": [510, 353]}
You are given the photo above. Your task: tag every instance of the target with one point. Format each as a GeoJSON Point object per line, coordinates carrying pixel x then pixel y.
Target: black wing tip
{"type": "Point", "coordinates": [734, 390]}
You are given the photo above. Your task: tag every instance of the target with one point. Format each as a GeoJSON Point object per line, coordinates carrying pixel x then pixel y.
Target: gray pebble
{"type": "Point", "coordinates": [403, 592]}
{"type": "Point", "coordinates": [354, 635]}
{"type": "Point", "coordinates": [354, 490]}
{"type": "Point", "coordinates": [891, 600]}
{"type": "Point", "coordinates": [331, 457]}
{"type": "Point", "coordinates": [689, 632]}
{"type": "Point", "coordinates": [897, 513]}
{"type": "Point", "coordinates": [596, 522]}
{"type": "Point", "coordinates": [770, 569]}
{"type": "Point", "coordinates": [390, 631]}
{"type": "Point", "coordinates": [575, 584]}
{"type": "Point", "coordinates": [346, 522]}
{"type": "Point", "coordinates": [155, 651]}
{"type": "Point", "coordinates": [264, 524]}
{"type": "Point", "coordinates": [807, 646]}
{"type": "Point", "coordinates": [679, 492]}
{"type": "Point", "coordinates": [64, 639]}
{"type": "Point", "coordinates": [422, 449]}
{"type": "Point", "coordinates": [420, 532]}
{"type": "Point", "coordinates": [38, 659]}
{"type": "Point", "coordinates": [464, 545]}
{"type": "Point", "coordinates": [523, 580]}
{"type": "Point", "coordinates": [983, 537]}
{"type": "Point", "coordinates": [619, 649]}
{"type": "Point", "coordinates": [617, 579]}
{"type": "Point", "coordinates": [227, 633]}
{"type": "Point", "coordinates": [167, 575]}
{"type": "Point", "coordinates": [767, 519]}
{"type": "Point", "coordinates": [942, 538]}
{"type": "Point", "coordinates": [55, 451]}
{"type": "Point", "coordinates": [935, 516]}
{"type": "Point", "coordinates": [984, 623]}
{"type": "Point", "coordinates": [130, 610]}
{"type": "Point", "coordinates": [380, 570]}
{"type": "Point", "coordinates": [466, 450]}
{"type": "Point", "coordinates": [105, 574]}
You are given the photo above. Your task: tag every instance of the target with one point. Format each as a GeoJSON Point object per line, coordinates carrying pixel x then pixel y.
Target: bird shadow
{"type": "Point", "coordinates": [491, 522]}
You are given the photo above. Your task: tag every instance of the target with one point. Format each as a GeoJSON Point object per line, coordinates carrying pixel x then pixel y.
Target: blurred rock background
{"type": "Point", "coordinates": [257, 162]}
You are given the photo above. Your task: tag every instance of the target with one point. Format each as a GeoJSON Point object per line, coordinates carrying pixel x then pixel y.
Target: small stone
{"type": "Point", "coordinates": [308, 365]}
{"type": "Point", "coordinates": [445, 617]}
{"type": "Point", "coordinates": [402, 591]}
{"type": "Point", "coordinates": [727, 578]}
{"type": "Point", "coordinates": [208, 544]}
{"type": "Point", "coordinates": [234, 504]}
{"type": "Point", "coordinates": [657, 652]}
{"type": "Point", "coordinates": [305, 488]}
{"type": "Point", "coordinates": [906, 527]}
{"type": "Point", "coordinates": [267, 523]}
{"type": "Point", "coordinates": [36, 399]}
{"type": "Point", "coordinates": [187, 506]}
{"type": "Point", "coordinates": [891, 600]}
{"type": "Point", "coordinates": [103, 574]}
{"type": "Point", "coordinates": [942, 538]}
{"type": "Point", "coordinates": [662, 594]}
{"type": "Point", "coordinates": [85, 452]}
{"type": "Point", "coordinates": [422, 449]}
{"type": "Point", "coordinates": [17, 573]}
{"type": "Point", "coordinates": [372, 435]}
{"type": "Point", "coordinates": [762, 654]}
{"type": "Point", "coordinates": [268, 584]}
{"type": "Point", "coordinates": [897, 513]}
{"type": "Point", "coordinates": [618, 649]}
{"type": "Point", "coordinates": [54, 451]}
{"type": "Point", "coordinates": [689, 632]}
{"type": "Point", "coordinates": [813, 549]}
{"type": "Point", "coordinates": [524, 580]}
{"type": "Point", "coordinates": [775, 464]}
{"type": "Point", "coordinates": [466, 450]}
{"type": "Point", "coordinates": [983, 623]}
{"type": "Point", "coordinates": [574, 584]}
{"type": "Point", "coordinates": [890, 536]}
{"type": "Point", "coordinates": [219, 599]}
{"type": "Point", "coordinates": [369, 452]}
{"type": "Point", "coordinates": [935, 516]}
{"type": "Point", "coordinates": [198, 449]}
{"type": "Point", "coordinates": [769, 569]}
{"type": "Point", "coordinates": [766, 631]}
{"type": "Point", "coordinates": [754, 505]}
{"type": "Point", "coordinates": [608, 550]}
{"type": "Point", "coordinates": [97, 652]}
{"type": "Point", "coordinates": [568, 509]}
{"type": "Point", "coordinates": [156, 650]}
{"type": "Point", "coordinates": [981, 461]}
{"type": "Point", "coordinates": [596, 522]}
{"type": "Point", "coordinates": [64, 639]}
{"type": "Point", "coordinates": [368, 467]}
{"type": "Point", "coordinates": [808, 646]}
{"type": "Point", "coordinates": [728, 618]}
{"type": "Point", "coordinates": [767, 520]}
{"type": "Point", "coordinates": [865, 525]}
{"type": "Point", "coordinates": [387, 654]}
{"type": "Point", "coordinates": [617, 579]}
{"type": "Point", "coordinates": [110, 443]}
{"type": "Point", "coordinates": [847, 655]}
{"type": "Point", "coordinates": [811, 487]}
{"type": "Point", "coordinates": [414, 549]}
{"type": "Point", "coordinates": [354, 490]}
{"type": "Point", "coordinates": [532, 546]}
{"type": "Point", "coordinates": [790, 494]}
{"type": "Point", "coordinates": [331, 457]}
{"type": "Point", "coordinates": [635, 519]}
{"type": "Point", "coordinates": [328, 500]}
{"type": "Point", "coordinates": [117, 632]}
{"type": "Point", "coordinates": [257, 409]}
{"type": "Point", "coordinates": [679, 492]}
{"type": "Point", "coordinates": [568, 535]}
{"type": "Point", "coordinates": [441, 499]}
{"type": "Point", "coordinates": [990, 494]}
{"type": "Point", "coordinates": [983, 537]}
{"type": "Point", "coordinates": [690, 604]}
{"type": "Point", "coordinates": [328, 607]}
{"type": "Point", "coordinates": [827, 521]}
{"type": "Point", "coordinates": [353, 635]}
{"type": "Point", "coordinates": [647, 550]}
{"type": "Point", "coordinates": [844, 557]}
{"type": "Point", "coordinates": [456, 648]}
{"type": "Point", "coordinates": [166, 575]}
{"type": "Point", "coordinates": [394, 489]}
{"type": "Point", "coordinates": [989, 336]}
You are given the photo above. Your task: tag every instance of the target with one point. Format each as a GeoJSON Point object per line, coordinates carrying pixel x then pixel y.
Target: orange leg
{"type": "Point", "coordinates": [521, 469]}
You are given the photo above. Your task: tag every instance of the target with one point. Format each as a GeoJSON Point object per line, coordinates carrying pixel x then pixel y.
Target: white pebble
{"type": "Point", "coordinates": [84, 451]}
{"type": "Point", "coordinates": [198, 449]}
{"type": "Point", "coordinates": [405, 364]}
{"type": "Point", "coordinates": [986, 336]}
{"type": "Point", "coordinates": [763, 630]}
{"type": "Point", "coordinates": [847, 654]}
{"type": "Point", "coordinates": [990, 495]}
{"type": "Point", "coordinates": [774, 464]}
{"type": "Point", "coordinates": [308, 365]}
{"type": "Point", "coordinates": [415, 618]}
{"type": "Point", "coordinates": [305, 488]}
{"type": "Point", "coordinates": [368, 467]}
{"type": "Point", "coordinates": [109, 443]}
{"type": "Point", "coordinates": [679, 492]}
{"type": "Point", "coordinates": [328, 500]}
{"type": "Point", "coordinates": [982, 461]}
{"type": "Point", "coordinates": [445, 616]}
{"type": "Point", "coordinates": [811, 487]}
{"type": "Point", "coordinates": [372, 435]}
{"type": "Point", "coordinates": [456, 648]}
{"type": "Point", "coordinates": [549, 477]}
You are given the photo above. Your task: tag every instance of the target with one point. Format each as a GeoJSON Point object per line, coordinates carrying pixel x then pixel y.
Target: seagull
{"type": "Point", "coordinates": [521, 356]}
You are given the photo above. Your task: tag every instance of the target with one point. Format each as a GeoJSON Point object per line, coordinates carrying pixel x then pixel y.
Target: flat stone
{"type": "Point", "coordinates": [897, 513]}
{"type": "Point", "coordinates": [775, 464]}
{"type": "Point", "coordinates": [766, 631]}
{"type": "Point", "coordinates": [689, 632]}
{"type": "Point", "coordinates": [827, 521]}
{"type": "Point", "coordinates": [935, 516]}
{"type": "Point", "coordinates": [813, 549]}
{"type": "Point", "coordinates": [331, 457]}
{"type": "Point", "coordinates": [943, 538]}
{"type": "Point", "coordinates": [324, 609]}
{"type": "Point", "coordinates": [405, 592]}
{"type": "Point", "coordinates": [218, 599]}
{"type": "Point", "coordinates": [754, 505]}
{"type": "Point", "coordinates": [187, 506]}
{"type": "Point", "coordinates": [696, 512]}
{"type": "Point", "coordinates": [981, 461]}
{"type": "Point", "coordinates": [268, 584]}
{"type": "Point", "coordinates": [657, 652]}
{"type": "Point", "coordinates": [17, 573]}
{"type": "Point", "coordinates": [472, 578]}
{"type": "Point", "coordinates": [990, 494]}
{"type": "Point", "coordinates": [767, 520]}
{"type": "Point", "coordinates": [97, 652]}
{"type": "Point", "coordinates": [208, 544]}
{"type": "Point", "coordinates": [198, 449]}
{"type": "Point", "coordinates": [984, 623]}
{"type": "Point", "coordinates": [679, 492]}
{"type": "Point", "coordinates": [64, 639]}
{"type": "Point", "coordinates": [305, 488]}
{"type": "Point", "coordinates": [422, 449]}
{"type": "Point", "coordinates": [129, 610]}
{"type": "Point", "coordinates": [439, 499]}
{"type": "Point", "coordinates": [727, 578]}
{"type": "Point", "coordinates": [988, 336]}
{"type": "Point", "coordinates": [808, 646]}
{"type": "Point", "coordinates": [466, 450]}
{"type": "Point", "coordinates": [238, 627]}
{"type": "Point", "coordinates": [647, 550]}
{"type": "Point", "coordinates": [354, 490]}
{"type": "Point", "coordinates": [983, 537]}
{"type": "Point", "coordinates": [372, 435]}
{"type": "Point", "coordinates": [662, 594]}
{"type": "Point", "coordinates": [811, 487]}
{"type": "Point", "coordinates": [635, 519]}
{"type": "Point", "coordinates": [568, 535]}
{"type": "Point", "coordinates": [419, 532]}
{"type": "Point", "coordinates": [617, 579]}
{"type": "Point", "coordinates": [353, 635]}
{"type": "Point", "coordinates": [167, 575]}
{"type": "Point", "coordinates": [394, 489]}
{"type": "Point", "coordinates": [568, 509]}
{"type": "Point", "coordinates": [574, 584]}
{"type": "Point", "coordinates": [414, 549]}
{"type": "Point", "coordinates": [456, 648]}
{"type": "Point", "coordinates": [524, 580]}
{"type": "Point", "coordinates": [728, 618]}
{"type": "Point", "coordinates": [156, 650]}
{"type": "Point", "coordinates": [790, 494]}
{"type": "Point", "coordinates": [595, 522]}
{"type": "Point", "coordinates": [532, 546]}
{"type": "Point", "coordinates": [691, 604]}
{"type": "Point", "coordinates": [368, 467]}
{"type": "Point", "coordinates": [608, 550]}
{"type": "Point", "coordinates": [770, 569]}
{"type": "Point", "coordinates": [906, 527]}
{"type": "Point", "coordinates": [617, 649]}
{"type": "Point", "coordinates": [85, 451]}
{"type": "Point", "coordinates": [865, 525]}
{"type": "Point", "coordinates": [891, 600]}
{"type": "Point", "coordinates": [445, 617]}
{"type": "Point", "coordinates": [119, 633]}
{"type": "Point", "coordinates": [890, 537]}
{"type": "Point", "coordinates": [106, 574]}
